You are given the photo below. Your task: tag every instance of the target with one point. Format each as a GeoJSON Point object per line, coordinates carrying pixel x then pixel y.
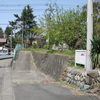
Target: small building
{"type": "Point", "coordinates": [3, 41]}
{"type": "Point", "coordinates": [4, 50]}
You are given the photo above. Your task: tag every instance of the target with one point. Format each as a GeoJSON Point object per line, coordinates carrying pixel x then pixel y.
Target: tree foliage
{"type": "Point", "coordinates": [1, 33]}
{"type": "Point", "coordinates": [62, 25]}
{"type": "Point", "coordinates": [8, 31]}
{"type": "Point", "coordinates": [25, 22]}
{"type": "Point", "coordinates": [96, 17]}
{"type": "Point", "coordinates": [95, 52]}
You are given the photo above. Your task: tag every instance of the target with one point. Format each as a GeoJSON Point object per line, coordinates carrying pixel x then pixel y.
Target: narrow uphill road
{"type": "Point", "coordinates": [30, 84]}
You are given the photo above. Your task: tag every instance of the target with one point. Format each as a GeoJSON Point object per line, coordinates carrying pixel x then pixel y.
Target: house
{"type": "Point", "coordinates": [3, 41]}
{"type": "Point", "coordinates": [4, 50]}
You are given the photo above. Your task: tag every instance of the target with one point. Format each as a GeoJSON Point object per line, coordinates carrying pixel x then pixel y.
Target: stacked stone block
{"type": "Point", "coordinates": [84, 79]}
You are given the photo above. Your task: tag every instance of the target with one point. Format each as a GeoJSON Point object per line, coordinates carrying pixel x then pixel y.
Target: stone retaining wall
{"type": "Point", "coordinates": [57, 65]}
{"type": "Point", "coordinates": [84, 79]}
{"type": "Point", "coordinates": [51, 64]}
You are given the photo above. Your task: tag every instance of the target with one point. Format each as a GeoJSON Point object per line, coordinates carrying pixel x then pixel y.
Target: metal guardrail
{"type": "Point", "coordinates": [13, 55]}
{"type": "Point", "coordinates": [17, 48]}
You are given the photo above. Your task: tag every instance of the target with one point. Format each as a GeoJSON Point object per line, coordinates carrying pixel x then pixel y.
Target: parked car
{"type": "Point", "coordinates": [4, 51]}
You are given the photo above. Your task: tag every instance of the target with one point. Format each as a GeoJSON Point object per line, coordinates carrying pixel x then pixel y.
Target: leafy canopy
{"type": "Point", "coordinates": [24, 23]}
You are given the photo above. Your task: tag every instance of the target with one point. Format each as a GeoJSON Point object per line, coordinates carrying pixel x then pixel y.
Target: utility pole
{"type": "Point", "coordinates": [22, 37]}
{"type": "Point", "coordinates": [11, 42]}
{"type": "Point", "coordinates": [89, 34]}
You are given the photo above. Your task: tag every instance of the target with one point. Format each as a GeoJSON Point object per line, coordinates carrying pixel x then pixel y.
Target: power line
{"type": "Point", "coordinates": [13, 5]}
{"type": "Point", "coordinates": [19, 5]}
{"type": "Point", "coordinates": [17, 9]}
{"type": "Point", "coordinates": [3, 24]}
{"type": "Point", "coordinates": [22, 9]}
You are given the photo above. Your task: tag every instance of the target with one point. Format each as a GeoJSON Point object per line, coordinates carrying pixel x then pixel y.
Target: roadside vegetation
{"type": "Point", "coordinates": [65, 52]}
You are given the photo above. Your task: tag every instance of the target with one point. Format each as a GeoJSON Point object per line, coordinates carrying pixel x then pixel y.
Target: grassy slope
{"type": "Point", "coordinates": [65, 52]}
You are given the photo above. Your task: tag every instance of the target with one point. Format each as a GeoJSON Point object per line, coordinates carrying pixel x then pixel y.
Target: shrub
{"type": "Point", "coordinates": [95, 52]}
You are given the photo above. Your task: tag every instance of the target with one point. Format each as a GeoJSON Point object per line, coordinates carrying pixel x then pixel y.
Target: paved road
{"type": "Point", "coordinates": [6, 57]}
{"type": "Point", "coordinates": [25, 82]}
{"type": "Point", "coordinates": [6, 90]}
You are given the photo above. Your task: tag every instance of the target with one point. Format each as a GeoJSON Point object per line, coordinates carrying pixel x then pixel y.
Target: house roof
{"type": "Point", "coordinates": [2, 40]}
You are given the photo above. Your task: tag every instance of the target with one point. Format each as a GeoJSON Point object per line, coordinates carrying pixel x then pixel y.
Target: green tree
{"type": "Point", "coordinates": [8, 31]}
{"type": "Point", "coordinates": [96, 11]}
{"type": "Point", "coordinates": [95, 52]}
{"type": "Point", "coordinates": [37, 29]}
{"type": "Point", "coordinates": [1, 33]}
{"type": "Point", "coordinates": [25, 22]}
{"type": "Point", "coordinates": [96, 17]}
{"type": "Point", "coordinates": [62, 25]}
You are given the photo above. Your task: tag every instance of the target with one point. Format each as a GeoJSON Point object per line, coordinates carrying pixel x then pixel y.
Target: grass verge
{"type": "Point", "coordinates": [65, 83]}
{"type": "Point", "coordinates": [65, 52]}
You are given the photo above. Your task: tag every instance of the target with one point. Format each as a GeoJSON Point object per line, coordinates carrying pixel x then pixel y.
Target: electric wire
{"type": "Point", "coordinates": [17, 8]}
{"type": "Point", "coordinates": [20, 5]}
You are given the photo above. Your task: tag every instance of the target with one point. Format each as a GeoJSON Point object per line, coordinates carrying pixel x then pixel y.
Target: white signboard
{"type": "Point", "coordinates": [80, 57]}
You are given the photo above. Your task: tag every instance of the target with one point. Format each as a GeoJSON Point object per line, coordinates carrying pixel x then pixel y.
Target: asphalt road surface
{"type": "Point", "coordinates": [30, 84]}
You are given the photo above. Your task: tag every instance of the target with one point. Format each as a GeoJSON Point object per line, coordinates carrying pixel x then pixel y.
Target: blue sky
{"type": "Point", "coordinates": [10, 7]}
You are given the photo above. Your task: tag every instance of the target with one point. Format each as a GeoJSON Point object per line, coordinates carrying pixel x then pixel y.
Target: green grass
{"type": "Point", "coordinates": [79, 66]}
{"type": "Point", "coordinates": [69, 52]}
{"type": "Point", "coordinates": [65, 52]}
{"type": "Point", "coordinates": [57, 80]}
{"type": "Point", "coordinates": [41, 50]}
{"type": "Point", "coordinates": [27, 49]}
{"type": "Point", "coordinates": [71, 85]}
{"type": "Point", "coordinates": [72, 62]}
{"type": "Point", "coordinates": [64, 83]}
